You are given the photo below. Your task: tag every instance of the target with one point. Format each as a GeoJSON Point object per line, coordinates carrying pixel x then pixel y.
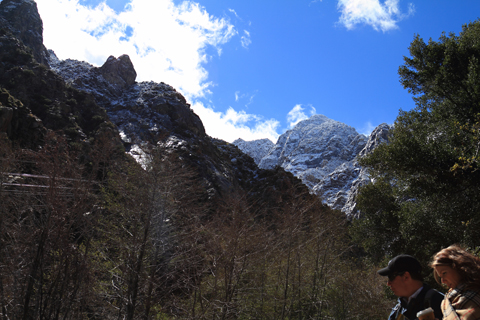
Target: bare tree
{"type": "Point", "coordinates": [44, 270]}
{"type": "Point", "coordinates": [144, 206]}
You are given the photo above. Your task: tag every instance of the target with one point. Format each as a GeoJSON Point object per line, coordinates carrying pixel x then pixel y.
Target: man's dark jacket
{"type": "Point", "coordinates": [422, 301]}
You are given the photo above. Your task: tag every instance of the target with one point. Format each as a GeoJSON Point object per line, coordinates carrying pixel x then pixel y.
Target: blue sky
{"type": "Point", "coordinates": [252, 69]}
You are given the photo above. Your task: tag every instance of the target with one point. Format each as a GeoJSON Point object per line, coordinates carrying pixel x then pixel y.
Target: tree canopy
{"type": "Point", "coordinates": [427, 182]}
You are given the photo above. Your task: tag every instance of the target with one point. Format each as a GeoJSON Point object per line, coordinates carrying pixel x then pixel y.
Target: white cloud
{"type": "Point", "coordinates": [166, 42]}
{"type": "Point", "coordinates": [246, 41]}
{"type": "Point", "coordinates": [381, 16]}
{"type": "Point", "coordinates": [232, 125]}
{"type": "Point", "coordinates": [296, 115]}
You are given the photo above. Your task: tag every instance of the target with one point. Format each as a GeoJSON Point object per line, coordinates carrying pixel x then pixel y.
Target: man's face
{"type": "Point", "coordinates": [398, 284]}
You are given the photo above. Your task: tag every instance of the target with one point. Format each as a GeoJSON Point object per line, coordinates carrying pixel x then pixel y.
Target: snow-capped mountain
{"type": "Point", "coordinates": [323, 153]}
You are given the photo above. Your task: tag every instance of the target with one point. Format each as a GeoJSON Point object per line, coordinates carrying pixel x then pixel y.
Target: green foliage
{"type": "Point", "coordinates": [377, 230]}
{"type": "Point", "coordinates": [444, 78]}
{"type": "Point", "coordinates": [426, 177]}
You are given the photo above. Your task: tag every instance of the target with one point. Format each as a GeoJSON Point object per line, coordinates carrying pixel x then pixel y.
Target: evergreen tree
{"type": "Point", "coordinates": [426, 179]}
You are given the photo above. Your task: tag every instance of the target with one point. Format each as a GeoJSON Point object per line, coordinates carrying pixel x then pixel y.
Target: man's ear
{"type": "Point", "coordinates": [406, 275]}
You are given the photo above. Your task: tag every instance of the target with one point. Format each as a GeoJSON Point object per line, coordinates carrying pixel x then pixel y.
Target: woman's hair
{"type": "Point", "coordinates": [466, 264]}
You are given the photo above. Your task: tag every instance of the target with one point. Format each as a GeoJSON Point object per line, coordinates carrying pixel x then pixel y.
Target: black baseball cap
{"type": "Point", "coordinates": [401, 263]}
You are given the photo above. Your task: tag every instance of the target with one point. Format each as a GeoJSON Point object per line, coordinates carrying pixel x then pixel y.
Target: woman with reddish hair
{"type": "Point", "coordinates": [459, 270]}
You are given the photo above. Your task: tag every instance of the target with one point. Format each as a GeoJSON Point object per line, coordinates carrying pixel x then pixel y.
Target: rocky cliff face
{"type": "Point", "coordinates": [151, 113]}
{"type": "Point", "coordinates": [40, 93]}
{"type": "Point", "coordinates": [145, 111]}
{"type": "Point", "coordinates": [21, 18]}
{"type": "Point", "coordinates": [323, 154]}
{"type": "Point", "coordinates": [34, 100]}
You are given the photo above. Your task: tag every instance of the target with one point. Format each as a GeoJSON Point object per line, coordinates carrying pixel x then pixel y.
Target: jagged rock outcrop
{"type": "Point", "coordinates": [378, 136]}
{"type": "Point", "coordinates": [119, 71]}
{"type": "Point", "coordinates": [317, 144]}
{"type": "Point", "coordinates": [150, 113]}
{"type": "Point", "coordinates": [21, 18]}
{"type": "Point", "coordinates": [145, 111]}
{"type": "Point", "coordinates": [323, 153]}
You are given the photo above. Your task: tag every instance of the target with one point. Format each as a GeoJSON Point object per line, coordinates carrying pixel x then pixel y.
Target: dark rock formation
{"type": "Point", "coordinates": [145, 111]}
{"type": "Point", "coordinates": [119, 71]}
{"type": "Point", "coordinates": [21, 18]}
{"type": "Point", "coordinates": [33, 99]}
{"type": "Point", "coordinates": [17, 121]}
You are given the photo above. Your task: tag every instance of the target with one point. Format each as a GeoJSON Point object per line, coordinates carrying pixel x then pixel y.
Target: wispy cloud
{"type": "Point", "coordinates": [246, 41]}
{"type": "Point", "coordinates": [234, 12]}
{"type": "Point", "coordinates": [380, 16]}
{"type": "Point", "coordinates": [244, 96]}
{"type": "Point", "coordinates": [296, 115]}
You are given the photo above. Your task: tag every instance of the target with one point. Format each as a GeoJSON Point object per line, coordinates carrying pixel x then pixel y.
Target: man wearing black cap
{"type": "Point", "coordinates": [404, 274]}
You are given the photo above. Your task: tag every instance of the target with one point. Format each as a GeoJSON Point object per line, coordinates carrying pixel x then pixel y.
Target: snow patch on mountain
{"type": "Point", "coordinates": [257, 149]}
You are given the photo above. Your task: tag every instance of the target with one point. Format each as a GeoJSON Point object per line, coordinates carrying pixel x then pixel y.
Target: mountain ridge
{"type": "Point", "coordinates": [319, 151]}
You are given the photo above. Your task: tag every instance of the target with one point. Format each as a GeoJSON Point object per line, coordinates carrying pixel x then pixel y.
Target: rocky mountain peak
{"type": "Point", "coordinates": [378, 136]}
{"type": "Point", "coordinates": [119, 71]}
{"type": "Point", "coordinates": [22, 19]}
{"type": "Point", "coordinates": [317, 143]}
{"type": "Point", "coordinates": [323, 153]}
